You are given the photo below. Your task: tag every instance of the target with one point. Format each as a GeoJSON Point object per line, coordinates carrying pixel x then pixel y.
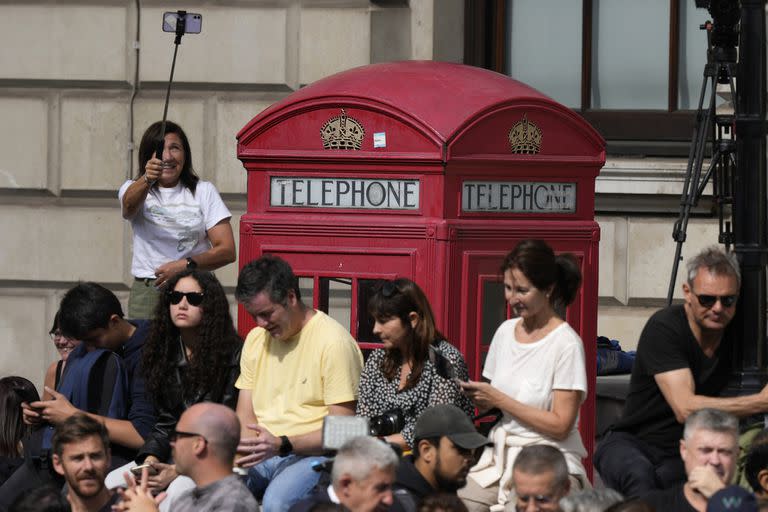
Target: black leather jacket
{"type": "Point", "coordinates": [173, 401]}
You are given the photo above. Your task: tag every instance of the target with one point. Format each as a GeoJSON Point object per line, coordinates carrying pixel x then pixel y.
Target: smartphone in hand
{"type": "Point", "coordinates": [137, 470]}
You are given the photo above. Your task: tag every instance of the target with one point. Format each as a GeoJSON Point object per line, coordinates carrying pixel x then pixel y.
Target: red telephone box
{"type": "Point", "coordinates": [426, 170]}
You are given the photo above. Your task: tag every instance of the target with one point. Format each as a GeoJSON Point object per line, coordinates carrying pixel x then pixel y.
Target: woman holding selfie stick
{"type": "Point", "coordinates": [416, 369]}
{"type": "Point", "coordinates": [537, 375]}
{"type": "Point", "coordinates": [179, 221]}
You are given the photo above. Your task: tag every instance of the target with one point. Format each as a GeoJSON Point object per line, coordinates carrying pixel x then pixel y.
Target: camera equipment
{"type": "Point", "coordinates": [337, 430]}
{"type": "Point", "coordinates": [388, 423]}
{"type": "Point", "coordinates": [742, 173]}
{"type": "Point", "coordinates": [725, 14]}
{"type": "Point", "coordinates": [178, 23]}
{"type": "Point", "coordinates": [712, 128]}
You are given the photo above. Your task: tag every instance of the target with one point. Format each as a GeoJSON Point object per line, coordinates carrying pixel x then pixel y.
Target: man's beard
{"type": "Point", "coordinates": [91, 492]}
{"type": "Point", "coordinates": [450, 485]}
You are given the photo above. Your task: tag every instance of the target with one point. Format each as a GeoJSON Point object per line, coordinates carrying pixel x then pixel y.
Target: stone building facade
{"type": "Point", "coordinates": [81, 80]}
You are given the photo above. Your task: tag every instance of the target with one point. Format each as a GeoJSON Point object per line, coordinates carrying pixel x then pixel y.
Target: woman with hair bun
{"type": "Point", "coordinates": [537, 374]}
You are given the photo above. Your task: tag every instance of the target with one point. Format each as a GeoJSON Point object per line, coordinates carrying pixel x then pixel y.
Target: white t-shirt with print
{"type": "Point", "coordinates": [172, 224]}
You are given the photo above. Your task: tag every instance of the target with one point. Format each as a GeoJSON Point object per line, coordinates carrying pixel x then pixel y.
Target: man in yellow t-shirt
{"type": "Point", "coordinates": [298, 366]}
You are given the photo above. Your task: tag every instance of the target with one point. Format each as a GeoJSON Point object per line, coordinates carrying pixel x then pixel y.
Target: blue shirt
{"type": "Point", "coordinates": [141, 411]}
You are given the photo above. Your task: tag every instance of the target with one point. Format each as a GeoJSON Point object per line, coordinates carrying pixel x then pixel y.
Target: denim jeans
{"type": "Point", "coordinates": [279, 482]}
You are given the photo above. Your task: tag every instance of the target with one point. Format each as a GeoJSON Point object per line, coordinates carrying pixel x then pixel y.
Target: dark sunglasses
{"type": "Point", "coordinates": [707, 301]}
{"type": "Point", "coordinates": [194, 298]}
{"type": "Point", "coordinates": [177, 434]}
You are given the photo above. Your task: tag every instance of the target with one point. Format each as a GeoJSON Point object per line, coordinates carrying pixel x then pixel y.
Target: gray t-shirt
{"type": "Point", "coordinates": [226, 495]}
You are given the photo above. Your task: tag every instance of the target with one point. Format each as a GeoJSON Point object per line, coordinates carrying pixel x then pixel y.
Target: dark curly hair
{"type": "Point", "coordinates": [217, 339]}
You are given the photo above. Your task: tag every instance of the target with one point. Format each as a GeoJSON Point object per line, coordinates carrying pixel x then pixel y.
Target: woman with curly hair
{"type": "Point", "coordinates": [191, 356]}
{"type": "Point", "coordinates": [417, 368]}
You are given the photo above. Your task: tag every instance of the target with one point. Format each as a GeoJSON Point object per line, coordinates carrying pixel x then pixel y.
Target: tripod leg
{"type": "Point", "coordinates": [693, 183]}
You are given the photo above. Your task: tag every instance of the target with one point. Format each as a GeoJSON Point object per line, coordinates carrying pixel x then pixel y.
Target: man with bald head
{"type": "Point", "coordinates": [204, 446]}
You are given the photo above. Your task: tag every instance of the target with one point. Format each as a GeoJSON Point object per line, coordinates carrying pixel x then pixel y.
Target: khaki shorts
{"type": "Point", "coordinates": [143, 299]}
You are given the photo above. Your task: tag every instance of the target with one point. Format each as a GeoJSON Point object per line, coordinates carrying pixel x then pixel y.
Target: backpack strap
{"type": "Point", "coordinates": [94, 382]}
{"type": "Point", "coordinates": [57, 375]}
{"type": "Point", "coordinates": [34, 455]}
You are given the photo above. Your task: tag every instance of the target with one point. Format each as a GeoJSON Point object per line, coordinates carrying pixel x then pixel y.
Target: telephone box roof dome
{"type": "Point", "coordinates": [441, 101]}
{"type": "Point", "coordinates": [424, 89]}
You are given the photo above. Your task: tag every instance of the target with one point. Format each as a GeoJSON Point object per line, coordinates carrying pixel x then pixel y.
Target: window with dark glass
{"type": "Point", "coordinates": [632, 69]}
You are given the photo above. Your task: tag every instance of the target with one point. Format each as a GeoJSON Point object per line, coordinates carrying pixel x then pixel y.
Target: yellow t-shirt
{"type": "Point", "coordinates": [293, 382]}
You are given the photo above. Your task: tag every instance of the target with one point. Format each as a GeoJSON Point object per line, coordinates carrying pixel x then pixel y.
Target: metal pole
{"type": "Point", "coordinates": [749, 209]}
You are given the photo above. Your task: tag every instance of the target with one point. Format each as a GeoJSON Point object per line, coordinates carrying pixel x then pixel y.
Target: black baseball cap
{"type": "Point", "coordinates": [449, 421]}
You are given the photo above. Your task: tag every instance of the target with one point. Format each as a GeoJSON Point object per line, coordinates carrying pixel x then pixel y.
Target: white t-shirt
{"type": "Point", "coordinates": [529, 372]}
{"type": "Point", "coordinates": [172, 224]}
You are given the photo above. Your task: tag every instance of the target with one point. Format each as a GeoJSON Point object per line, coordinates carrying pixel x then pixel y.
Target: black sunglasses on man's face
{"type": "Point", "coordinates": [707, 301]}
{"type": "Point", "coordinates": [177, 434]}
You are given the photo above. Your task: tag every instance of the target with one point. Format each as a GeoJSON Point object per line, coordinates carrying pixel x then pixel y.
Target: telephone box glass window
{"type": "Point", "coordinates": [345, 299]}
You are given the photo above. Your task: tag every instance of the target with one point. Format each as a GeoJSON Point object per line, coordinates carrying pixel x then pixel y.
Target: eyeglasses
{"type": "Point", "coordinates": [538, 499]}
{"type": "Point", "coordinates": [55, 335]}
{"type": "Point", "coordinates": [177, 434]}
{"type": "Point", "coordinates": [194, 298]}
{"type": "Point", "coordinates": [707, 301]}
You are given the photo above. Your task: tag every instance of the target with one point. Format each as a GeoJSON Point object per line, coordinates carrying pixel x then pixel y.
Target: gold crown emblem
{"type": "Point", "coordinates": [342, 132]}
{"type": "Point", "coordinates": [525, 137]}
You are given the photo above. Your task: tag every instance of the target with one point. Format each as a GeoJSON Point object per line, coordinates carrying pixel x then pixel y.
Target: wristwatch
{"type": "Point", "coordinates": [285, 446]}
{"type": "Point", "coordinates": [191, 264]}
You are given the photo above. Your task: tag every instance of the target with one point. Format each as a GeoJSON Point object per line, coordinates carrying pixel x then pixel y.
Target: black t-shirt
{"type": "Point", "coordinates": [669, 500]}
{"type": "Point", "coordinates": [666, 344]}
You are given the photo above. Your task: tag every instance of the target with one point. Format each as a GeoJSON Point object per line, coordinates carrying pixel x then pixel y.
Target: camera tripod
{"type": "Point", "coordinates": [718, 131]}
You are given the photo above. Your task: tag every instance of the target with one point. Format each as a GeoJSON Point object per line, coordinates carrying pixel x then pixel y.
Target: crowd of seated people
{"type": "Point", "coordinates": [169, 409]}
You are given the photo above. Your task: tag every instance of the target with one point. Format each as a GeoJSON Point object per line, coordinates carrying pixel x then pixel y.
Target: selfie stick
{"type": "Point", "coordinates": [181, 23]}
